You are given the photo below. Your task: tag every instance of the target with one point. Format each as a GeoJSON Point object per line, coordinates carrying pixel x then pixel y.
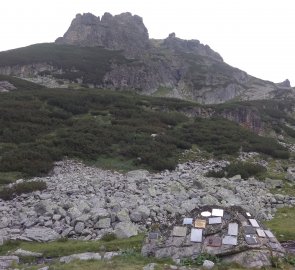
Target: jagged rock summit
{"type": "Point", "coordinates": [120, 32]}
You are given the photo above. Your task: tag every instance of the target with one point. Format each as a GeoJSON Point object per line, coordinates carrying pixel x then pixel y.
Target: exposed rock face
{"type": "Point", "coordinates": [286, 83]}
{"type": "Point", "coordinates": [190, 46]}
{"type": "Point", "coordinates": [121, 32]}
{"type": "Point", "coordinates": [6, 86]}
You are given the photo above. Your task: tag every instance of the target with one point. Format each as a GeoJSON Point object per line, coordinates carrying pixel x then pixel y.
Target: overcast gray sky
{"type": "Point", "coordinates": [254, 35]}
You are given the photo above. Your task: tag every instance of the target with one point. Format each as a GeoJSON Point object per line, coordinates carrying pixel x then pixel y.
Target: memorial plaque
{"type": "Point", "coordinates": [248, 214]}
{"type": "Point", "coordinates": [187, 221]}
{"type": "Point", "coordinates": [233, 229]}
{"type": "Point", "coordinates": [251, 240]}
{"type": "Point", "coordinates": [230, 240]}
{"type": "Point", "coordinates": [215, 220]}
{"type": "Point", "coordinates": [200, 223]}
{"type": "Point", "coordinates": [269, 233]}
{"type": "Point", "coordinates": [254, 223]}
{"type": "Point", "coordinates": [206, 214]}
{"type": "Point", "coordinates": [197, 235]}
{"type": "Point", "coordinates": [274, 246]}
{"type": "Point", "coordinates": [214, 241]}
{"type": "Point", "coordinates": [249, 229]}
{"type": "Point", "coordinates": [260, 233]}
{"type": "Point", "coordinates": [153, 235]}
{"type": "Point", "coordinates": [217, 212]}
{"type": "Point", "coordinates": [179, 231]}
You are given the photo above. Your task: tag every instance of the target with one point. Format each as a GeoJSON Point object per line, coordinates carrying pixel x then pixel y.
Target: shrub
{"type": "Point", "coordinates": [109, 237]}
{"type": "Point", "coordinates": [8, 193]}
{"type": "Point", "coordinates": [245, 169]}
{"type": "Point", "coordinates": [216, 174]}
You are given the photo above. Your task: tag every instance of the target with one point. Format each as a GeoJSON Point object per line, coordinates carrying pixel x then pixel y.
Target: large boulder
{"type": "Point", "coordinates": [291, 174]}
{"type": "Point", "coordinates": [125, 230]}
{"type": "Point", "coordinates": [40, 234]}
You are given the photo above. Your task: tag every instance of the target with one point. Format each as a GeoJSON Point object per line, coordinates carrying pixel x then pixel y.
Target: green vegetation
{"type": "Point", "coordinates": [283, 230]}
{"type": "Point", "coordinates": [76, 62]}
{"type": "Point", "coordinates": [245, 169]}
{"type": "Point", "coordinates": [38, 127]}
{"type": "Point", "coordinates": [199, 260]}
{"type": "Point", "coordinates": [7, 193]}
{"type": "Point", "coordinates": [68, 247]}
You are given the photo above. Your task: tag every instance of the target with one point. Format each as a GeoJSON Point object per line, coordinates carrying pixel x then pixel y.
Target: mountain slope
{"type": "Point", "coordinates": [115, 52]}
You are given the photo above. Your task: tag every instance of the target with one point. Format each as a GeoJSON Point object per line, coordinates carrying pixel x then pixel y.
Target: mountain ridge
{"type": "Point", "coordinates": [116, 52]}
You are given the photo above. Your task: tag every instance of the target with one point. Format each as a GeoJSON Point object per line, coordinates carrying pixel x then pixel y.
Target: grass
{"type": "Point", "coordinates": [287, 189]}
{"type": "Point", "coordinates": [283, 224]}
{"type": "Point", "coordinates": [68, 247]}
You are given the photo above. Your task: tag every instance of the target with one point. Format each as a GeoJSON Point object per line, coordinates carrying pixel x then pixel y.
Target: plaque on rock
{"type": "Point", "coordinates": [249, 229]}
{"type": "Point", "coordinates": [269, 234]}
{"type": "Point", "coordinates": [260, 233]}
{"type": "Point", "coordinates": [197, 235]}
{"type": "Point", "coordinates": [248, 214]}
{"type": "Point", "coordinates": [274, 246]}
{"type": "Point", "coordinates": [217, 212]}
{"type": "Point", "coordinates": [214, 241]}
{"type": "Point", "coordinates": [233, 229]}
{"type": "Point", "coordinates": [206, 214]}
{"type": "Point", "coordinates": [230, 240]}
{"type": "Point", "coordinates": [179, 231]}
{"type": "Point", "coordinates": [153, 236]}
{"type": "Point", "coordinates": [200, 223]}
{"type": "Point", "coordinates": [215, 220]}
{"type": "Point", "coordinates": [187, 221]}
{"type": "Point", "coordinates": [254, 223]}
{"type": "Point", "coordinates": [251, 240]}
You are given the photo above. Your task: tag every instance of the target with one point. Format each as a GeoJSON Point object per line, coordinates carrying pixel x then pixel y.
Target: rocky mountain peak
{"type": "Point", "coordinates": [120, 32]}
{"type": "Point", "coordinates": [285, 83]}
{"type": "Point", "coordinates": [190, 46]}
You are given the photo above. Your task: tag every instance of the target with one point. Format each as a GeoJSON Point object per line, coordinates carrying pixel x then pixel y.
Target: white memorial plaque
{"type": "Point", "coordinates": [233, 229]}
{"type": "Point", "coordinates": [254, 223]}
{"type": "Point", "coordinates": [260, 233]}
{"type": "Point", "coordinates": [269, 234]}
{"type": "Point", "coordinates": [197, 235]}
{"type": "Point", "coordinates": [217, 212]}
{"type": "Point", "coordinates": [206, 214]}
{"type": "Point", "coordinates": [215, 220]}
{"type": "Point", "coordinates": [187, 221]}
{"type": "Point", "coordinates": [230, 240]}
{"type": "Point", "coordinates": [248, 214]}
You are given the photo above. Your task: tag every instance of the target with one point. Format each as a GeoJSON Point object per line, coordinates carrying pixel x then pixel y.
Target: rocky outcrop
{"type": "Point", "coordinates": [286, 84]}
{"type": "Point", "coordinates": [189, 46]}
{"type": "Point", "coordinates": [230, 233]}
{"type": "Point", "coordinates": [121, 32]}
{"type": "Point", "coordinates": [6, 86]}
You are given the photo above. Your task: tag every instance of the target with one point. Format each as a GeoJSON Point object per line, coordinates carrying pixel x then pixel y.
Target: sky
{"type": "Point", "coordinates": [256, 36]}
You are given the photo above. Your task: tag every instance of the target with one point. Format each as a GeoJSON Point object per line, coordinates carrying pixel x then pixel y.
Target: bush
{"type": "Point", "coordinates": [109, 237]}
{"type": "Point", "coordinates": [245, 169]}
{"type": "Point", "coordinates": [216, 174]}
{"type": "Point", "coordinates": [18, 189]}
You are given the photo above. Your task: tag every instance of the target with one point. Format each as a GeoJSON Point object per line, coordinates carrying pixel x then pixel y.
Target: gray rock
{"type": "Point", "coordinates": [41, 234]}
{"type": "Point", "coordinates": [150, 266]}
{"type": "Point", "coordinates": [79, 227]}
{"type": "Point", "coordinates": [123, 215]}
{"type": "Point", "coordinates": [44, 268]}
{"type": "Point", "coordinates": [135, 216]}
{"type": "Point", "coordinates": [4, 222]}
{"type": "Point", "coordinates": [7, 261]}
{"type": "Point", "coordinates": [209, 200]}
{"type": "Point", "coordinates": [291, 174]}
{"type": "Point", "coordinates": [110, 255]}
{"type": "Point", "coordinates": [273, 183]}
{"type": "Point", "coordinates": [26, 253]}
{"type": "Point", "coordinates": [104, 223]}
{"type": "Point", "coordinates": [125, 230]}
{"type": "Point", "coordinates": [81, 256]}
{"type": "Point", "coordinates": [74, 212]}
{"type": "Point", "coordinates": [144, 211]}
{"type": "Point", "coordinates": [208, 264]}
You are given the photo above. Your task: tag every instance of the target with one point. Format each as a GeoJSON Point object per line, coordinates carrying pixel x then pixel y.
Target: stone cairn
{"type": "Point", "coordinates": [230, 233]}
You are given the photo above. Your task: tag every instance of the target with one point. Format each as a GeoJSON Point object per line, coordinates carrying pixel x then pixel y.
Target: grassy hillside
{"type": "Point", "coordinates": [111, 129]}
{"type": "Point", "coordinates": [89, 63]}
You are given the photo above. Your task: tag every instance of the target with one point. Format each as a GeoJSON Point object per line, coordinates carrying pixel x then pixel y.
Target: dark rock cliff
{"type": "Point", "coordinates": [121, 32]}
